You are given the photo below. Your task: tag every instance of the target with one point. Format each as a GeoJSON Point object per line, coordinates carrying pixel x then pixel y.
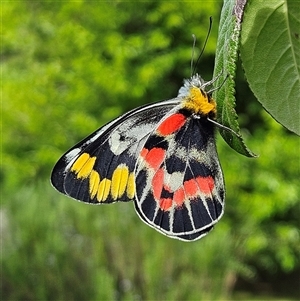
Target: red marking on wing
{"type": "Point", "coordinates": [171, 124]}
{"type": "Point", "coordinates": [144, 152]}
{"type": "Point", "coordinates": [206, 184]}
{"type": "Point", "coordinates": [165, 204]}
{"type": "Point", "coordinates": [157, 187]}
{"type": "Point", "coordinates": [191, 187]}
{"type": "Point", "coordinates": [154, 157]}
{"type": "Point", "coordinates": [157, 183]}
{"type": "Point", "coordinates": [179, 197]}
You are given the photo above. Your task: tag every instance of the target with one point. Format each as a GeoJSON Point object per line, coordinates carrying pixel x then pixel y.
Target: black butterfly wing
{"type": "Point", "coordinates": [100, 168]}
{"type": "Point", "coordinates": [179, 181]}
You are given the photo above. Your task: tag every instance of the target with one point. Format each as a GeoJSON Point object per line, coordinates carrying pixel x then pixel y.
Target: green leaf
{"type": "Point", "coordinates": [225, 66]}
{"type": "Point", "coordinates": [270, 52]}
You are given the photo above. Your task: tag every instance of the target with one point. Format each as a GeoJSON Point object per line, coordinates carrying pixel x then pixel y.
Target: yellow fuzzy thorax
{"type": "Point", "coordinates": [199, 102]}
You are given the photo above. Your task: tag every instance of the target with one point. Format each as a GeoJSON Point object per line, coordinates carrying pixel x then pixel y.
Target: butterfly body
{"type": "Point", "coordinates": [162, 156]}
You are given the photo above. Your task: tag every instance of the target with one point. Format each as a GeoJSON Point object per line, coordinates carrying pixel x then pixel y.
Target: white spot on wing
{"type": "Point", "coordinates": [174, 180]}
{"type": "Point", "coordinates": [128, 136]}
{"type": "Point", "coordinates": [118, 143]}
{"type": "Point", "coordinates": [71, 155]}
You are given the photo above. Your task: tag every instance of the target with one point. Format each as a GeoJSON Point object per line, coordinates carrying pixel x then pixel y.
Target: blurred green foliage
{"type": "Point", "coordinates": [69, 67]}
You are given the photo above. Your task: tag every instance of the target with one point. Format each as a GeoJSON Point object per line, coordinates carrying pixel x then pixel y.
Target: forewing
{"type": "Point", "coordinates": [179, 182]}
{"type": "Point", "coordinates": [100, 168]}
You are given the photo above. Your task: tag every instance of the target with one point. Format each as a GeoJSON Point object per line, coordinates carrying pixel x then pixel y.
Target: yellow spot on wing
{"type": "Point", "coordinates": [122, 181]}
{"type": "Point", "coordinates": [130, 191]}
{"type": "Point", "coordinates": [119, 181]}
{"type": "Point", "coordinates": [81, 160]}
{"type": "Point", "coordinates": [103, 190]}
{"type": "Point", "coordinates": [199, 102]}
{"type": "Point", "coordinates": [83, 165]}
{"type": "Point", "coordinates": [94, 183]}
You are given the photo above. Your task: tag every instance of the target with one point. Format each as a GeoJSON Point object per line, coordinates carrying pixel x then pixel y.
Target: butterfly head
{"type": "Point", "coordinates": [196, 99]}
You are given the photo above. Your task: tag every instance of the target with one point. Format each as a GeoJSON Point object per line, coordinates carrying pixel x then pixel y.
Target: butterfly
{"type": "Point", "coordinates": [162, 156]}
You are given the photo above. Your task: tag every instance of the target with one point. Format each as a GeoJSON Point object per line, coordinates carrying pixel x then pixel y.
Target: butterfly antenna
{"type": "Point", "coordinates": [193, 54]}
{"type": "Point", "coordinates": [205, 42]}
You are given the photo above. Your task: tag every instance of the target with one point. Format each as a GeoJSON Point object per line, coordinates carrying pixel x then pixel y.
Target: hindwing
{"type": "Point", "coordinates": [179, 182]}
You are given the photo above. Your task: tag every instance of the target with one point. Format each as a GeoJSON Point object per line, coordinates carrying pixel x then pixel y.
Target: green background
{"type": "Point", "coordinates": [68, 68]}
